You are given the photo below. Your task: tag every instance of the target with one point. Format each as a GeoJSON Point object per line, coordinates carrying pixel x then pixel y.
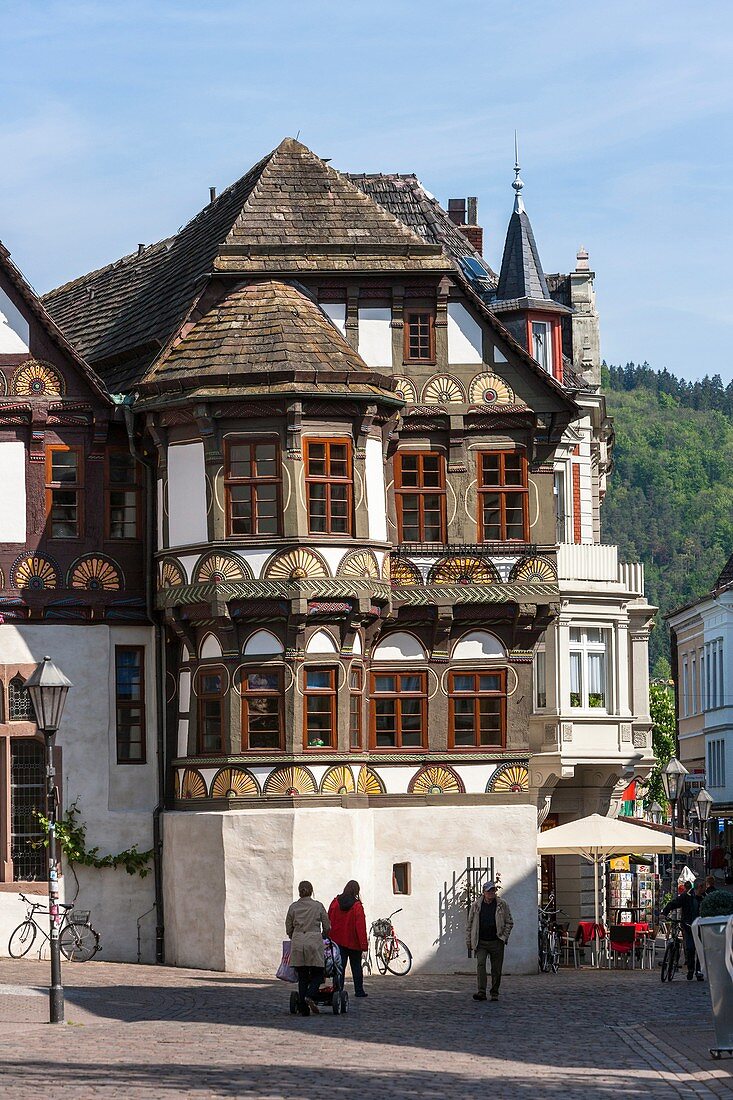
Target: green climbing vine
{"type": "Point", "coordinates": [71, 834]}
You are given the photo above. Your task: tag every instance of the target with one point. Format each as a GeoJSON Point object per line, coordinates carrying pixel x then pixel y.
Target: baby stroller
{"type": "Point", "coordinates": [330, 993]}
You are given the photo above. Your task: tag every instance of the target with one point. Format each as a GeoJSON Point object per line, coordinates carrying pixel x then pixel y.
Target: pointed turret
{"type": "Point", "coordinates": [522, 295]}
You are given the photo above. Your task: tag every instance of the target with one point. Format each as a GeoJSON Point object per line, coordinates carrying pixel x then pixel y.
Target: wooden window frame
{"type": "Point", "coordinates": [247, 694]}
{"type": "Point", "coordinates": [130, 704]}
{"type": "Point", "coordinates": [374, 695]}
{"type": "Point", "coordinates": [408, 317]}
{"type": "Point", "coordinates": [52, 486]}
{"type": "Point", "coordinates": [502, 490]}
{"type": "Point", "coordinates": [356, 707]}
{"type": "Point", "coordinates": [477, 694]}
{"type": "Point", "coordinates": [420, 492]}
{"type": "Point", "coordinates": [132, 486]}
{"type": "Point", "coordinates": [252, 482]}
{"type": "Point", "coordinates": [405, 869]}
{"type": "Point", "coordinates": [329, 480]}
{"type": "Point", "coordinates": [331, 692]}
{"type": "Point", "coordinates": [200, 700]}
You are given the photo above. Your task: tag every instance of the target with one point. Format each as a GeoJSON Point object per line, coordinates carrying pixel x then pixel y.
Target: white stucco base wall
{"type": "Point", "coordinates": [229, 878]}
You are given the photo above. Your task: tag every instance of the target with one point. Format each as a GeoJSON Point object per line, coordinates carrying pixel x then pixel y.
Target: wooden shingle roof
{"type": "Point", "coordinates": [264, 334]}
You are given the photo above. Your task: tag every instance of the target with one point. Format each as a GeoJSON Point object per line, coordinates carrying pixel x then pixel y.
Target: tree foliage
{"type": "Point", "coordinates": [670, 498]}
{"type": "Point", "coordinates": [661, 709]}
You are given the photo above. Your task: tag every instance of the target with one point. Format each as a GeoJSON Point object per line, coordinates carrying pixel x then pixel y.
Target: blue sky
{"type": "Point", "coordinates": [118, 116]}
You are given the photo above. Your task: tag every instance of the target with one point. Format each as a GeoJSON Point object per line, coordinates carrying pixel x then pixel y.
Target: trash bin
{"type": "Point", "coordinates": [714, 941]}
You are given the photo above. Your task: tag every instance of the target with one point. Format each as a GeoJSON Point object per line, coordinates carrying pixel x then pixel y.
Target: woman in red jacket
{"type": "Point", "coordinates": [348, 930]}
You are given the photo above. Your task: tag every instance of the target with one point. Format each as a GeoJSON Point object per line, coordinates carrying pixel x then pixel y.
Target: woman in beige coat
{"type": "Point", "coordinates": [306, 924]}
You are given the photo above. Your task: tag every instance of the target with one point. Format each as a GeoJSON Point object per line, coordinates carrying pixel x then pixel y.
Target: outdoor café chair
{"type": "Point", "coordinates": [621, 943]}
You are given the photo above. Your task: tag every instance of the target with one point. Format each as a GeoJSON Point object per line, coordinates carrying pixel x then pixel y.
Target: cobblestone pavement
{"type": "Point", "coordinates": [142, 1032]}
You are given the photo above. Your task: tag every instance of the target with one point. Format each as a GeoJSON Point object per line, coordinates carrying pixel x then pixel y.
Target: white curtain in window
{"type": "Point", "coordinates": [597, 676]}
{"type": "Point", "coordinates": [576, 675]}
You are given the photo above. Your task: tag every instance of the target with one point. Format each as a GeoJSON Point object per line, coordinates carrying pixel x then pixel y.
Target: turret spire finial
{"type": "Point", "coordinates": [517, 183]}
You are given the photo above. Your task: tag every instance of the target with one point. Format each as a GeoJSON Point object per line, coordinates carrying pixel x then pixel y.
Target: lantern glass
{"type": "Point", "coordinates": [673, 778]}
{"type": "Point", "coordinates": [48, 688]}
{"type": "Point", "coordinates": [703, 804]}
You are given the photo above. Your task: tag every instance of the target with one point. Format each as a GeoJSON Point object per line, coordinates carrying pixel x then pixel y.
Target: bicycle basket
{"type": "Point", "coordinates": [382, 928]}
{"type": "Point", "coordinates": [80, 916]}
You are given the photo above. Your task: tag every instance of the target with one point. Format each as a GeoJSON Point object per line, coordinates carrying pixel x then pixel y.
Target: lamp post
{"type": "Point", "coordinates": [703, 805]}
{"type": "Point", "coordinates": [48, 687]}
{"type": "Point", "coordinates": [673, 778]}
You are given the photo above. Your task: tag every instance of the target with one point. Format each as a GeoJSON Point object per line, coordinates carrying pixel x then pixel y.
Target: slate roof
{"type": "Point", "coordinates": [289, 213]}
{"type": "Point", "coordinates": [521, 274]}
{"type": "Point", "coordinates": [726, 576]}
{"type": "Point", "coordinates": [406, 198]}
{"type": "Point", "coordinates": [264, 333]}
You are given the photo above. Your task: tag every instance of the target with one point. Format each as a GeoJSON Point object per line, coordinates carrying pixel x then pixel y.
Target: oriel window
{"type": "Point", "coordinates": [210, 689]}
{"type": "Point", "coordinates": [64, 492]}
{"type": "Point", "coordinates": [328, 480]}
{"type": "Point", "coordinates": [252, 480]}
{"type": "Point", "coordinates": [320, 708]}
{"type": "Point", "coordinates": [399, 710]}
{"type": "Point", "coordinates": [477, 710]}
{"type": "Point", "coordinates": [419, 337]}
{"type": "Point", "coordinates": [130, 703]}
{"type": "Point", "coordinates": [123, 496]}
{"type": "Point", "coordinates": [503, 497]}
{"type": "Point", "coordinates": [262, 710]}
{"type": "Point", "coordinates": [420, 497]}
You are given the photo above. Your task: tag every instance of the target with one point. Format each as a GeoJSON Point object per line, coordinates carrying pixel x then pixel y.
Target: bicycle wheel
{"type": "Point", "coordinates": [22, 939]}
{"type": "Point", "coordinates": [668, 967]}
{"type": "Point", "coordinates": [379, 952]}
{"type": "Point", "coordinates": [79, 942]}
{"type": "Point", "coordinates": [543, 954]}
{"type": "Point", "coordinates": [554, 952]}
{"type": "Point", "coordinates": [397, 957]}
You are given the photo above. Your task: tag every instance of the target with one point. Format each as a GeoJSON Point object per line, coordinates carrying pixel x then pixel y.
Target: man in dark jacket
{"type": "Point", "coordinates": [689, 907]}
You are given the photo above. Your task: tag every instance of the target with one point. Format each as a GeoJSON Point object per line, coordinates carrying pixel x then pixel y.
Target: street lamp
{"type": "Point", "coordinates": [703, 805]}
{"type": "Point", "coordinates": [48, 688]}
{"type": "Point", "coordinates": [673, 778]}
{"type": "Point", "coordinates": [657, 813]}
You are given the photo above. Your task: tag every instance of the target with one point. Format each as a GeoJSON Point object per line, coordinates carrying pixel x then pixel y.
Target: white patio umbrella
{"type": "Point", "coordinates": [595, 838]}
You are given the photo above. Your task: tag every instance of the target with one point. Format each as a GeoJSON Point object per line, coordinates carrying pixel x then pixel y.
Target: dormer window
{"type": "Point", "coordinates": [542, 344]}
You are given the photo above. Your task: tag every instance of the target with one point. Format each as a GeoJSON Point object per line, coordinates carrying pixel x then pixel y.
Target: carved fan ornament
{"type": "Point", "coordinates": [490, 389]}
{"type": "Point", "coordinates": [34, 572]}
{"type": "Point", "coordinates": [36, 379]}
{"type": "Point", "coordinates": [295, 565]}
{"type": "Point", "coordinates": [386, 568]}
{"type": "Point", "coordinates": [534, 569]}
{"type": "Point", "coordinates": [219, 569]}
{"type": "Point", "coordinates": [290, 781]}
{"type": "Point", "coordinates": [192, 784]}
{"type": "Point", "coordinates": [463, 570]}
{"type": "Point", "coordinates": [369, 782]}
{"type": "Point", "coordinates": [443, 390]}
{"type": "Point", "coordinates": [361, 563]}
{"type": "Point", "coordinates": [338, 780]}
{"type": "Point", "coordinates": [171, 574]}
{"type": "Point", "coordinates": [234, 783]}
{"type": "Point", "coordinates": [512, 776]}
{"type": "Point", "coordinates": [176, 785]}
{"type": "Point", "coordinates": [406, 390]}
{"type": "Point", "coordinates": [3, 385]}
{"type": "Point", "coordinates": [403, 573]}
{"type": "Point", "coordinates": [96, 574]}
{"type": "Point", "coordinates": [436, 779]}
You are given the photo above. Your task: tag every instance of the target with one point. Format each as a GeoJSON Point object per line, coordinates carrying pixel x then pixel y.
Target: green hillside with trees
{"type": "Point", "coordinates": [670, 496]}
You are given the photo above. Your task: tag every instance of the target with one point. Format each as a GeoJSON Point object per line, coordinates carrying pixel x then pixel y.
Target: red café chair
{"type": "Point", "coordinates": [621, 943]}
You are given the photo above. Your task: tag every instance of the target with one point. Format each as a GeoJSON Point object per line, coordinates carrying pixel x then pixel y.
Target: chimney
{"type": "Point", "coordinates": [212, 194]}
{"type": "Point", "coordinates": [140, 249]}
{"type": "Point", "coordinates": [467, 221]}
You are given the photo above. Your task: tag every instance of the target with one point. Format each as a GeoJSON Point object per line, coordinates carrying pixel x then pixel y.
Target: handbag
{"type": "Point", "coordinates": [285, 972]}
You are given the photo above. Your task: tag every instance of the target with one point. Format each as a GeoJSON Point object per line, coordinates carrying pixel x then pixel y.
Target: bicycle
{"type": "Point", "coordinates": [673, 951]}
{"type": "Point", "coordinates": [79, 942]}
{"type": "Point", "coordinates": [548, 939]}
{"type": "Point", "coordinates": [390, 953]}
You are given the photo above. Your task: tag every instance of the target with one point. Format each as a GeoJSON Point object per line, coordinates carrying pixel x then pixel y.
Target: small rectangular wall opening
{"type": "Point", "coordinates": [401, 878]}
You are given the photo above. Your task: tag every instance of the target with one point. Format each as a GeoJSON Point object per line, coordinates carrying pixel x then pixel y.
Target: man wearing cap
{"type": "Point", "coordinates": [487, 932]}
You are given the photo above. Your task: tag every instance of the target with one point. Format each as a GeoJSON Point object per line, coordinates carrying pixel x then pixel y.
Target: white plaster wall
{"type": "Point", "coordinates": [12, 492]}
{"type": "Point", "coordinates": [258, 856]}
{"type": "Point", "coordinates": [376, 504]}
{"type": "Point", "coordinates": [186, 494]}
{"type": "Point", "coordinates": [336, 312]}
{"type": "Point", "coordinates": [115, 801]}
{"type": "Point", "coordinates": [465, 338]}
{"type": "Point", "coordinates": [375, 336]}
{"type": "Point", "coordinates": [14, 328]}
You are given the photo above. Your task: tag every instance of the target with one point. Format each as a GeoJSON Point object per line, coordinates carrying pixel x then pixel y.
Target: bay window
{"type": "Point", "coordinates": [589, 653]}
{"type": "Point", "coordinates": [328, 485]}
{"type": "Point", "coordinates": [262, 710]}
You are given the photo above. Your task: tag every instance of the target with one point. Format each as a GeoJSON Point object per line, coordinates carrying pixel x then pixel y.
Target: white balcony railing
{"type": "Point", "coordinates": [595, 562]}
